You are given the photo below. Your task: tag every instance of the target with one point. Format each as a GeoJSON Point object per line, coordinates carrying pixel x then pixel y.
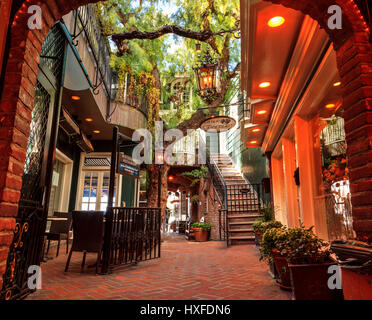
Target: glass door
{"type": "Point", "coordinates": [89, 201]}
{"type": "Point", "coordinates": [96, 191]}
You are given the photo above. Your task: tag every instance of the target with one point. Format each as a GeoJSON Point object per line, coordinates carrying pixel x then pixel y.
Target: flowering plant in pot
{"type": "Point", "coordinates": [201, 231]}
{"type": "Point", "coordinates": [309, 261]}
{"type": "Point", "coordinates": [271, 240]}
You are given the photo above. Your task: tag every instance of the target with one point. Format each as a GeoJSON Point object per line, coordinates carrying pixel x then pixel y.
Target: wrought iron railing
{"type": "Point", "coordinates": [135, 236]}
{"type": "Point", "coordinates": [223, 225]}
{"type": "Point", "coordinates": [121, 93]}
{"type": "Point", "coordinates": [87, 23]}
{"type": "Point", "coordinates": [244, 198]}
{"type": "Point", "coordinates": [215, 174]}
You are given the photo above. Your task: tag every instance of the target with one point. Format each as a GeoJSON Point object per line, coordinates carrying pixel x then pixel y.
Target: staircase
{"type": "Point", "coordinates": [242, 202]}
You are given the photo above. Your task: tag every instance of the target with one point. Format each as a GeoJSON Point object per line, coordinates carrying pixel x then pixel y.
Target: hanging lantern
{"type": "Point", "coordinates": [206, 74]}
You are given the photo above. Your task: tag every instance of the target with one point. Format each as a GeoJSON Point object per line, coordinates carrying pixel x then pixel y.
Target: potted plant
{"type": "Point", "coordinates": [271, 240]}
{"type": "Point", "coordinates": [309, 260]}
{"type": "Point", "coordinates": [201, 231]}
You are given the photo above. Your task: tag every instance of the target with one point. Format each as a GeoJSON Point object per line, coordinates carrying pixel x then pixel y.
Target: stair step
{"type": "Point", "coordinates": [241, 230]}
{"type": "Point", "coordinates": [242, 238]}
{"type": "Point", "coordinates": [240, 223]}
{"type": "Point", "coordinates": [240, 216]}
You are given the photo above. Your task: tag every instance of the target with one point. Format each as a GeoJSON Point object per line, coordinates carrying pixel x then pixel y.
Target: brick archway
{"type": "Point", "coordinates": [354, 63]}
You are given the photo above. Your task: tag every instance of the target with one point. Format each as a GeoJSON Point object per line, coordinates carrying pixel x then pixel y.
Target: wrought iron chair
{"type": "Point", "coordinates": [88, 231]}
{"type": "Point", "coordinates": [59, 230]}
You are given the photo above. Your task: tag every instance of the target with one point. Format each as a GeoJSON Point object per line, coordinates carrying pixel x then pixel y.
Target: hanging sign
{"type": "Point", "coordinates": [127, 166]}
{"type": "Point", "coordinates": [218, 124]}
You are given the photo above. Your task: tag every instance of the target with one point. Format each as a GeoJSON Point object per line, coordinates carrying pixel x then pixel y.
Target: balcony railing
{"type": "Point", "coordinates": [121, 93]}
{"type": "Point", "coordinates": [87, 24]}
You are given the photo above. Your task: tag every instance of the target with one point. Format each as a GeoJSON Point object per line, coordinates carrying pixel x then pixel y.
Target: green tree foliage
{"type": "Point", "coordinates": [168, 56]}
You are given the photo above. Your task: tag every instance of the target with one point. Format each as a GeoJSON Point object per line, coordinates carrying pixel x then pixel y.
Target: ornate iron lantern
{"type": "Point", "coordinates": [206, 72]}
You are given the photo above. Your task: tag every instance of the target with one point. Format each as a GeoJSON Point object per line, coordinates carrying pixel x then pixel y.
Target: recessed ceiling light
{"type": "Point", "coordinates": [261, 112]}
{"type": "Point", "coordinates": [76, 98]}
{"type": "Point", "coordinates": [256, 130]}
{"type": "Point", "coordinates": [96, 131]}
{"type": "Point", "coordinates": [253, 142]}
{"type": "Point", "coordinates": [336, 84]}
{"type": "Point", "coordinates": [330, 105]}
{"type": "Point", "coordinates": [276, 22]}
{"type": "Point", "coordinates": [88, 119]}
{"type": "Point", "coordinates": [265, 84]}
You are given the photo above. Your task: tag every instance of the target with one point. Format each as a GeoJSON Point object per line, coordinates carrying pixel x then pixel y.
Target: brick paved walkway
{"type": "Point", "coordinates": [186, 271]}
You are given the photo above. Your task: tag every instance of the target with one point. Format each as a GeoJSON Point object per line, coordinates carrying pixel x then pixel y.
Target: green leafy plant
{"type": "Point", "coordinates": [261, 226]}
{"type": "Point", "coordinates": [267, 221]}
{"type": "Point", "coordinates": [298, 245]}
{"type": "Point", "coordinates": [194, 198]}
{"type": "Point", "coordinates": [267, 211]}
{"type": "Point", "coordinates": [302, 246]}
{"type": "Point", "coordinates": [196, 174]}
{"type": "Point", "coordinates": [203, 225]}
{"type": "Point", "coordinates": [272, 239]}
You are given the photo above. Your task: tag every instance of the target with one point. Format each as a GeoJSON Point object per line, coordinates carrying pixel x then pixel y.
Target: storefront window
{"type": "Point", "coordinates": [336, 179]}
{"type": "Point", "coordinates": [57, 186]}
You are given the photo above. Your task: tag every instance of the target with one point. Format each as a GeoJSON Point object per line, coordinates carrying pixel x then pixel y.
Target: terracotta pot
{"type": "Point", "coordinates": [281, 266]}
{"type": "Point", "coordinates": [310, 282]}
{"type": "Point", "coordinates": [356, 286]}
{"type": "Point", "coordinates": [200, 234]}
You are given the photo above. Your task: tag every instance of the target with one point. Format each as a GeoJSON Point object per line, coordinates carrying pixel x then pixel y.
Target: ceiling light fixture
{"type": "Point", "coordinates": [261, 112]}
{"type": "Point", "coordinates": [256, 130]}
{"type": "Point", "coordinates": [336, 84]}
{"type": "Point", "coordinates": [265, 84]}
{"type": "Point", "coordinates": [276, 22]}
{"type": "Point", "coordinates": [96, 131]}
{"type": "Point", "coordinates": [76, 98]}
{"type": "Point", "coordinates": [253, 142]}
{"type": "Point", "coordinates": [88, 119]}
{"type": "Point", "coordinates": [330, 105]}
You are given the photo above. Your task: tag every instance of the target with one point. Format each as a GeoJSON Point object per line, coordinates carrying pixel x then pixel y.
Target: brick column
{"type": "Point", "coordinates": [354, 60]}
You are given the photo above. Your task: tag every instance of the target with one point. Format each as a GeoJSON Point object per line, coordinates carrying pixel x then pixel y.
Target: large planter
{"type": "Point", "coordinates": [200, 235]}
{"type": "Point", "coordinates": [310, 282]}
{"type": "Point", "coordinates": [281, 266]}
{"type": "Point", "coordinates": [356, 285]}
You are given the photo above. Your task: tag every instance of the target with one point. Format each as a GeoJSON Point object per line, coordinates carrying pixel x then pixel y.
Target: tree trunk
{"type": "Point", "coordinates": [152, 193]}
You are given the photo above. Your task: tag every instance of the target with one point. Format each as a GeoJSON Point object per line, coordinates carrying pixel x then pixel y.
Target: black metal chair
{"type": "Point", "coordinates": [59, 230]}
{"type": "Point", "coordinates": [88, 231]}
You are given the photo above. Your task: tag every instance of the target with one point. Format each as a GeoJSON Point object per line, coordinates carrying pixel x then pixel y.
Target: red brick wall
{"type": "Point", "coordinates": [208, 208]}
{"type": "Point", "coordinates": [16, 105]}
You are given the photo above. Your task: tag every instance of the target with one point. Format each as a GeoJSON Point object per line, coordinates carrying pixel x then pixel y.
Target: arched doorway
{"type": "Point", "coordinates": [19, 79]}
